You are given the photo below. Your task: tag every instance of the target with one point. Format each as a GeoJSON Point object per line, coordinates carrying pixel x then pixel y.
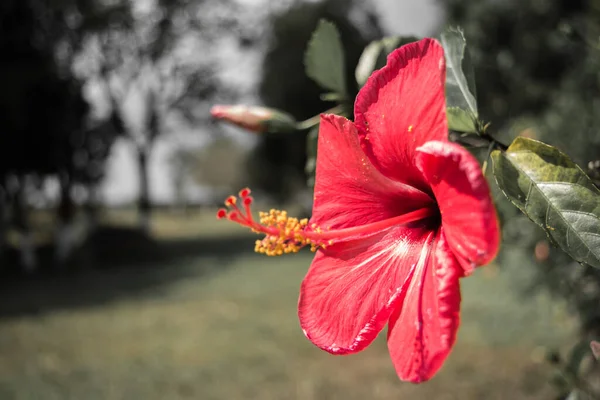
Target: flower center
{"type": "Point", "coordinates": [284, 234]}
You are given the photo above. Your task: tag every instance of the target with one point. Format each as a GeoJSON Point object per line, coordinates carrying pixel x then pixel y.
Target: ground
{"type": "Point", "coordinates": [219, 322]}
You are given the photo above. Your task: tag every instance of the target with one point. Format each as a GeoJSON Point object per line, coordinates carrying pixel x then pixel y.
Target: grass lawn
{"type": "Point", "coordinates": [222, 324]}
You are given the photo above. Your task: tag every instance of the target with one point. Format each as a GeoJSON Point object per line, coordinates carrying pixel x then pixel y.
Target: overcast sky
{"type": "Point", "coordinates": [418, 17]}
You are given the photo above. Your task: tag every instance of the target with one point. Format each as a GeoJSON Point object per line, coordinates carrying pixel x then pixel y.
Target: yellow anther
{"type": "Point", "coordinates": [410, 128]}
{"type": "Point", "coordinates": [289, 237]}
{"type": "Point", "coordinates": [283, 234]}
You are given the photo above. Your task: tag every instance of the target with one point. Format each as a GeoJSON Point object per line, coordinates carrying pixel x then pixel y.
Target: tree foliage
{"type": "Point", "coordinates": [538, 74]}
{"type": "Point", "coordinates": [277, 164]}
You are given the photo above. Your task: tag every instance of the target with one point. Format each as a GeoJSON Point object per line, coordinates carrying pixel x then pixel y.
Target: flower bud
{"type": "Point", "coordinates": [595, 349]}
{"type": "Point", "coordinates": [255, 119]}
{"type": "Point", "coordinates": [542, 251]}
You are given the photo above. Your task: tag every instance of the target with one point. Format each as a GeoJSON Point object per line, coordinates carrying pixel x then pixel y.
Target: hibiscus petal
{"type": "Point", "coordinates": [422, 331]}
{"type": "Point", "coordinates": [349, 191]}
{"type": "Point", "coordinates": [351, 288]}
{"type": "Point", "coordinates": [401, 107]}
{"type": "Point", "coordinates": [463, 195]}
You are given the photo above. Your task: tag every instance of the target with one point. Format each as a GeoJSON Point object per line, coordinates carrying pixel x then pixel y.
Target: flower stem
{"type": "Point", "coordinates": [478, 141]}
{"type": "Point", "coordinates": [312, 121]}
{"type": "Point", "coordinates": [487, 156]}
{"type": "Point", "coordinates": [494, 142]}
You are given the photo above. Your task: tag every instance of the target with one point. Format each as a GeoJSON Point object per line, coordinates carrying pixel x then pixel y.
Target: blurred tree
{"type": "Point", "coordinates": [149, 59]}
{"type": "Point", "coordinates": [152, 62]}
{"type": "Point", "coordinates": [44, 114]}
{"type": "Point", "coordinates": [537, 67]}
{"type": "Point", "coordinates": [216, 166]}
{"type": "Point", "coordinates": [277, 163]}
{"type": "Point", "coordinates": [520, 52]}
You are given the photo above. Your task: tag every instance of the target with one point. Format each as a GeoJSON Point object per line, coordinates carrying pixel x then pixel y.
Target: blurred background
{"type": "Point", "coordinates": [117, 281]}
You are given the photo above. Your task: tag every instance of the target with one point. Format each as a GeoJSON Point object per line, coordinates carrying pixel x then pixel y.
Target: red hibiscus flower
{"type": "Point", "coordinates": [400, 214]}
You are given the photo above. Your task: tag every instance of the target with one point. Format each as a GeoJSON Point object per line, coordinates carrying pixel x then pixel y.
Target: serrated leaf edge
{"type": "Point", "coordinates": [323, 21]}
{"type": "Point", "coordinates": [545, 226]}
{"type": "Point", "coordinates": [453, 69]}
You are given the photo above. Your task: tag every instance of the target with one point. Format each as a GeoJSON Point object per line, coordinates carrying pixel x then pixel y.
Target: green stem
{"type": "Point", "coordinates": [312, 121]}
{"type": "Point", "coordinates": [494, 142]}
{"type": "Point", "coordinates": [478, 141]}
{"type": "Point", "coordinates": [487, 157]}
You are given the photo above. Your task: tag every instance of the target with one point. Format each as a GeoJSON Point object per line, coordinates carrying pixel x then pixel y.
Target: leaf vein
{"type": "Point", "coordinates": [558, 211]}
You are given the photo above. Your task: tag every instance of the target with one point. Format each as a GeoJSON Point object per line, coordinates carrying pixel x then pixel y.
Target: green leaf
{"type": "Point", "coordinates": [368, 61]}
{"type": "Point", "coordinates": [460, 78]}
{"type": "Point", "coordinates": [331, 97]}
{"type": "Point", "coordinates": [391, 43]}
{"type": "Point", "coordinates": [554, 193]}
{"type": "Point", "coordinates": [374, 56]}
{"type": "Point", "coordinates": [460, 120]}
{"type": "Point", "coordinates": [311, 154]}
{"type": "Point", "coordinates": [578, 354]}
{"type": "Point", "coordinates": [324, 58]}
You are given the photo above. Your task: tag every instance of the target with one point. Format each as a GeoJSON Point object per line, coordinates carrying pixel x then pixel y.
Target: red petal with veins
{"type": "Point", "coordinates": [352, 288]}
{"type": "Point", "coordinates": [349, 191]}
{"type": "Point", "coordinates": [468, 214]}
{"type": "Point", "coordinates": [401, 107]}
{"type": "Point", "coordinates": [422, 331]}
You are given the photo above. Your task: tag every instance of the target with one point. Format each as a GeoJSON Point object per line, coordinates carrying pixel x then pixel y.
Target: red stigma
{"type": "Point", "coordinates": [222, 213]}
{"type": "Point", "coordinates": [230, 201]}
{"type": "Point", "coordinates": [244, 193]}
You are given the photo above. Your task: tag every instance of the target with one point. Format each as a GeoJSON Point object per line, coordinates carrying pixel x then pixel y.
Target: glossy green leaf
{"type": "Point", "coordinates": [554, 193]}
{"type": "Point", "coordinates": [324, 58]}
{"type": "Point", "coordinates": [460, 120]}
{"type": "Point", "coordinates": [374, 56]}
{"type": "Point", "coordinates": [460, 78]}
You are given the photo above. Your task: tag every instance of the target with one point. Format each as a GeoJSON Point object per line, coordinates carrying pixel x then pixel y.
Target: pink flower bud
{"type": "Point", "coordinates": [595, 349]}
{"type": "Point", "coordinates": [255, 119]}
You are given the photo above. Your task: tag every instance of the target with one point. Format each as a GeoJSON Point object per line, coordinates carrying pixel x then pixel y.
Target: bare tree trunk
{"type": "Point", "coordinates": [65, 239]}
{"type": "Point", "coordinates": [144, 204]}
{"type": "Point", "coordinates": [21, 221]}
{"type": "Point", "coordinates": [92, 206]}
{"type": "Point", "coordinates": [3, 220]}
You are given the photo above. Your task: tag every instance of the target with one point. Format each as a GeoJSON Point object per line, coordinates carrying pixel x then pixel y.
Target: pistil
{"type": "Point", "coordinates": [284, 234]}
